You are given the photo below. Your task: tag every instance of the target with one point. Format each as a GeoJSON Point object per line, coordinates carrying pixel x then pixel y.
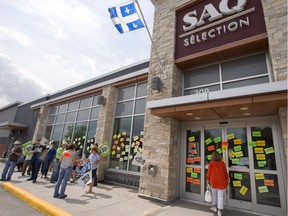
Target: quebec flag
{"type": "Point", "coordinates": [125, 17]}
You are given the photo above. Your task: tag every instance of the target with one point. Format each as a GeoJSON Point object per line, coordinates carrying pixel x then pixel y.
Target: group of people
{"type": "Point", "coordinates": [65, 159]}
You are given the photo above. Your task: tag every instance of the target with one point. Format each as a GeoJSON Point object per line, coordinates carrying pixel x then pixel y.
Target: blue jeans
{"type": "Point", "coordinates": [9, 165]}
{"type": "Point", "coordinates": [64, 175]}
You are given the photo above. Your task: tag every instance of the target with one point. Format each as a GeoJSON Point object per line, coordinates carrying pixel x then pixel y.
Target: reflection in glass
{"type": "Point", "coordinates": [212, 140]}
{"type": "Point", "coordinates": [83, 115]}
{"type": "Point", "coordinates": [263, 152]}
{"type": "Point", "coordinates": [56, 134]}
{"type": "Point", "coordinates": [94, 113]}
{"type": "Point", "coordinates": [124, 108]}
{"type": "Point", "coordinates": [86, 102]}
{"type": "Point", "coordinates": [79, 136]}
{"type": "Point", "coordinates": [62, 108]}
{"type": "Point", "coordinates": [95, 100]}
{"type": "Point", "coordinates": [73, 105]}
{"type": "Point", "coordinates": [240, 188]}
{"type": "Point", "coordinates": [193, 147]}
{"type": "Point", "coordinates": [267, 190]}
{"type": "Point", "coordinates": [70, 117]}
{"type": "Point", "coordinates": [53, 110]}
{"type": "Point", "coordinates": [60, 118]}
{"type": "Point", "coordinates": [126, 93]}
{"type": "Point", "coordinates": [193, 180]}
{"type": "Point", "coordinates": [48, 132]}
{"type": "Point", "coordinates": [141, 90]}
{"type": "Point", "coordinates": [67, 132]}
{"type": "Point", "coordinates": [238, 146]}
{"type": "Point", "coordinates": [140, 106]}
{"type": "Point", "coordinates": [51, 119]}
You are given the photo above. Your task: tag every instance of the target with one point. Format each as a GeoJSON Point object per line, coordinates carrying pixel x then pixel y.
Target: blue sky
{"type": "Point", "coordinates": [49, 45]}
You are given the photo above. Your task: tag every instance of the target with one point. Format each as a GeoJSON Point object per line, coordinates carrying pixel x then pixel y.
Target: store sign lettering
{"type": "Point", "coordinates": [212, 22]}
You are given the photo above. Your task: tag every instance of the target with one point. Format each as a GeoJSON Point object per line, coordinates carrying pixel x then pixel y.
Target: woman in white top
{"type": "Point", "coordinates": [67, 160]}
{"type": "Point", "coordinates": [93, 160]}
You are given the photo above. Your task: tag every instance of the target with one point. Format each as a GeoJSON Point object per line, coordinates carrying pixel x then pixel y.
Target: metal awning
{"type": "Point", "coordinates": [12, 126]}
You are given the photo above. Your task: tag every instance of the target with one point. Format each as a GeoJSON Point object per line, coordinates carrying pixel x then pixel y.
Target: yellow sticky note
{"type": "Point", "coordinates": [188, 170]}
{"type": "Point", "coordinates": [258, 150]}
{"type": "Point", "coordinates": [191, 139]}
{"type": "Point", "coordinates": [237, 183]}
{"type": "Point", "coordinates": [232, 154]}
{"type": "Point", "coordinates": [237, 141]}
{"type": "Point", "coordinates": [259, 176]}
{"type": "Point", "coordinates": [243, 190]}
{"type": "Point", "coordinates": [113, 152]}
{"type": "Point", "coordinates": [260, 157]}
{"type": "Point", "coordinates": [260, 143]}
{"type": "Point", "coordinates": [239, 154]}
{"type": "Point", "coordinates": [269, 150]}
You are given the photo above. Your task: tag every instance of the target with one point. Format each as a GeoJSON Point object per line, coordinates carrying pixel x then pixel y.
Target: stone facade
{"type": "Point", "coordinates": [41, 123]}
{"type": "Point", "coordinates": [161, 135]}
{"type": "Point", "coordinates": [275, 12]}
{"type": "Point", "coordinates": [104, 126]}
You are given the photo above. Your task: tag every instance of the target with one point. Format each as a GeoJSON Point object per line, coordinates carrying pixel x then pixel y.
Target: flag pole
{"type": "Point", "coordinates": [153, 45]}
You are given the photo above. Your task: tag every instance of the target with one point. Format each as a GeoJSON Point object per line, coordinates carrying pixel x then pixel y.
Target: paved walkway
{"type": "Point", "coordinates": [107, 199]}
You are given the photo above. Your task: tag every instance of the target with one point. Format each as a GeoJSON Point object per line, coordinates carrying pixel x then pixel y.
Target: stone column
{"type": "Point", "coordinates": [275, 12]}
{"type": "Point", "coordinates": [105, 124]}
{"type": "Point", "coordinates": [41, 123]}
{"type": "Point", "coordinates": [161, 135]}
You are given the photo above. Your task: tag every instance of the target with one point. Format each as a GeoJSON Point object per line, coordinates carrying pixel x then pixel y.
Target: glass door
{"type": "Point", "coordinates": [249, 151]}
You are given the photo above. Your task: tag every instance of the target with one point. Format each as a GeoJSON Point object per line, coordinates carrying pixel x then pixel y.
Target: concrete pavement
{"type": "Point", "coordinates": [106, 199]}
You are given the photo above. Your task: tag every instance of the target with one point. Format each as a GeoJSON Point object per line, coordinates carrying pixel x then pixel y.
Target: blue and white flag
{"type": "Point", "coordinates": [125, 17]}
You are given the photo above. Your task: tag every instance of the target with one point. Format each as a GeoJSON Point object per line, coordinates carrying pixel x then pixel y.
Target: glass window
{"type": "Point", "coordinates": [141, 90]}
{"type": "Point", "coordinates": [73, 105]}
{"type": "Point", "coordinates": [71, 117]}
{"type": "Point", "coordinates": [237, 147]}
{"type": "Point", "coordinates": [140, 106]}
{"type": "Point", "coordinates": [246, 82]}
{"type": "Point", "coordinates": [67, 132]}
{"type": "Point", "coordinates": [201, 76]}
{"type": "Point", "coordinates": [91, 133]}
{"type": "Point", "coordinates": [95, 100]}
{"type": "Point", "coordinates": [238, 181]}
{"type": "Point", "coordinates": [48, 132]}
{"type": "Point", "coordinates": [79, 134]}
{"type": "Point", "coordinates": [53, 110]}
{"type": "Point", "coordinates": [193, 149]}
{"type": "Point", "coordinates": [212, 140]}
{"type": "Point", "coordinates": [60, 118]}
{"type": "Point", "coordinates": [57, 134]}
{"type": "Point", "coordinates": [244, 67]}
{"type": "Point", "coordinates": [124, 108]}
{"type": "Point", "coordinates": [126, 93]}
{"type": "Point", "coordinates": [62, 108]}
{"type": "Point", "coordinates": [263, 148]}
{"type": "Point", "coordinates": [85, 102]}
{"type": "Point", "coordinates": [83, 115]}
{"type": "Point", "coordinates": [193, 180]}
{"type": "Point", "coordinates": [94, 113]}
{"type": "Point", "coordinates": [267, 189]}
{"type": "Point", "coordinates": [51, 119]}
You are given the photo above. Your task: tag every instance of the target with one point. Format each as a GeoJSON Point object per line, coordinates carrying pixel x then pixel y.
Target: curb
{"type": "Point", "coordinates": [35, 202]}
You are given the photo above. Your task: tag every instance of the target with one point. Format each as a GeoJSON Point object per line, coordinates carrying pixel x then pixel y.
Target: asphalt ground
{"type": "Point", "coordinates": [106, 199]}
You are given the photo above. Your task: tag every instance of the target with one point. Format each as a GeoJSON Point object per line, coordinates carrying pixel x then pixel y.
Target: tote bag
{"type": "Point", "coordinates": [208, 197]}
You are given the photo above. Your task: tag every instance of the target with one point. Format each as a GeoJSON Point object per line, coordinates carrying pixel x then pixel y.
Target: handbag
{"type": "Point", "coordinates": [208, 197]}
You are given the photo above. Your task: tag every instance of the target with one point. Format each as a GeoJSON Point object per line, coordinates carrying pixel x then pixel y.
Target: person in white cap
{"type": "Point", "coordinates": [10, 163]}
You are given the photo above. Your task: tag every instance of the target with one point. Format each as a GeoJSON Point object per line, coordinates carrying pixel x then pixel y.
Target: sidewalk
{"type": "Point", "coordinates": [107, 199]}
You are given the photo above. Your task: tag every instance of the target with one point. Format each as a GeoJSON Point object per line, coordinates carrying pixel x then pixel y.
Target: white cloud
{"type": "Point", "coordinates": [64, 43]}
{"type": "Point", "coordinates": [7, 33]}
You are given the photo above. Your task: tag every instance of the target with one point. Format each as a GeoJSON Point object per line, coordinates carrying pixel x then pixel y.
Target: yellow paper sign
{"type": "Point", "coordinates": [191, 139]}
{"type": "Point", "coordinates": [269, 150]}
{"type": "Point", "coordinates": [259, 176]}
{"type": "Point", "coordinates": [260, 157]}
{"type": "Point", "coordinates": [237, 183]}
{"type": "Point", "coordinates": [188, 170]}
{"type": "Point", "coordinates": [258, 150]}
{"type": "Point", "coordinates": [237, 142]}
{"type": "Point", "coordinates": [243, 190]}
{"type": "Point", "coordinates": [239, 154]}
{"type": "Point", "coordinates": [230, 136]}
{"type": "Point", "coordinates": [260, 143]}
{"type": "Point", "coordinates": [232, 154]}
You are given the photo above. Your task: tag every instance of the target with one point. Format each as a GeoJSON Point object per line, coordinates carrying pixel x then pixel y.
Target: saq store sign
{"type": "Point", "coordinates": [213, 23]}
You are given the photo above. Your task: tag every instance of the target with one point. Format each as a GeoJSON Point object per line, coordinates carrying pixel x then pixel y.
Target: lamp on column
{"type": "Point", "coordinates": [155, 83]}
{"type": "Point", "coordinates": [101, 100]}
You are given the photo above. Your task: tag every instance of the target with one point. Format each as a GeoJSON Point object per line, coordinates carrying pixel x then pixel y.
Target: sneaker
{"type": "Point", "coordinates": [214, 209]}
{"type": "Point", "coordinates": [219, 213]}
{"type": "Point", "coordinates": [29, 179]}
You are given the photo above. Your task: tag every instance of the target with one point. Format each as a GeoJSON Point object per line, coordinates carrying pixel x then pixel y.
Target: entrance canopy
{"type": "Point", "coordinates": [249, 101]}
{"type": "Point", "coordinates": [12, 126]}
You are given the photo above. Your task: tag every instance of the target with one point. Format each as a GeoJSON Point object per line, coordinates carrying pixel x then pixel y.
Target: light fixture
{"type": "Point", "coordinates": [243, 108]}
{"type": "Point", "coordinates": [246, 114]}
{"type": "Point", "coordinates": [189, 114]}
{"type": "Point", "coordinates": [197, 118]}
{"type": "Point", "coordinates": [101, 100]}
{"type": "Point", "coordinates": [155, 83]}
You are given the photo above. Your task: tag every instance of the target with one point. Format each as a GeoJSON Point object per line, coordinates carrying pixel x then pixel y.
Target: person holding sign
{"type": "Point", "coordinates": [217, 177]}
{"type": "Point", "coordinates": [67, 160]}
{"type": "Point", "coordinates": [93, 160]}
